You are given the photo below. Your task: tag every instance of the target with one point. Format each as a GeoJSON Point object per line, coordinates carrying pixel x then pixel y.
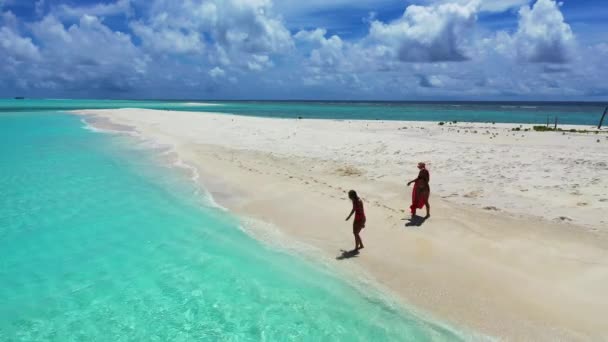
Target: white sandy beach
{"type": "Point", "coordinates": [517, 245]}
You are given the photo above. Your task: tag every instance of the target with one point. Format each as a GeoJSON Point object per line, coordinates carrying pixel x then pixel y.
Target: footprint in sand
{"type": "Point", "coordinates": [472, 194]}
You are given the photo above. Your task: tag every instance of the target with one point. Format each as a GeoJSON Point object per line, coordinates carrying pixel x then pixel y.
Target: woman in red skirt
{"type": "Point", "coordinates": [421, 191]}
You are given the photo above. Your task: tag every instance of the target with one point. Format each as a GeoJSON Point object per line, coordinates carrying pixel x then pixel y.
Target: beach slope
{"type": "Point", "coordinates": [516, 246]}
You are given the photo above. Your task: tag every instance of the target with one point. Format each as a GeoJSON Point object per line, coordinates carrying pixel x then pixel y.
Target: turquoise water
{"type": "Point", "coordinates": [100, 242]}
{"type": "Point", "coordinates": [503, 112]}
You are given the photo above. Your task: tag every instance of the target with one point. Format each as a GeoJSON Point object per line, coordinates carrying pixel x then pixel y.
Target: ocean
{"type": "Point", "coordinates": [572, 113]}
{"type": "Point", "coordinates": [100, 240]}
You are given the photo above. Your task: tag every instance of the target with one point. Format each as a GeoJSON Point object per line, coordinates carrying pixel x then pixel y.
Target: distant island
{"type": "Point", "coordinates": [19, 97]}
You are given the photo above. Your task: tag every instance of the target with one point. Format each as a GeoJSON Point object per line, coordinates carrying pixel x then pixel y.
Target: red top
{"type": "Point", "coordinates": [358, 208]}
{"type": "Point", "coordinates": [425, 177]}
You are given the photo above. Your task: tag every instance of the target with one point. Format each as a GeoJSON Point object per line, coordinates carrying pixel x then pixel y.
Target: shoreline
{"type": "Point", "coordinates": [436, 267]}
{"type": "Point", "coordinates": [217, 196]}
{"type": "Point", "coordinates": [567, 194]}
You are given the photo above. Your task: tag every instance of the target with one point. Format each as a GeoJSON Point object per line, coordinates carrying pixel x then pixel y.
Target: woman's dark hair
{"type": "Point", "coordinates": [352, 194]}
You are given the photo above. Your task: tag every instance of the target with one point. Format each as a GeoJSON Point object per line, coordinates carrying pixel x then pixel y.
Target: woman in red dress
{"type": "Point", "coordinates": [359, 222]}
{"type": "Point", "coordinates": [421, 191]}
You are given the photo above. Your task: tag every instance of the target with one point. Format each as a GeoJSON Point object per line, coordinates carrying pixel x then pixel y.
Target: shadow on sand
{"type": "Point", "coordinates": [348, 254]}
{"type": "Point", "coordinates": [416, 221]}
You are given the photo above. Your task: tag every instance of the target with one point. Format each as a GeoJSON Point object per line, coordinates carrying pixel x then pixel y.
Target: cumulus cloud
{"type": "Point", "coordinates": [236, 25]}
{"type": "Point", "coordinates": [543, 36]}
{"type": "Point", "coordinates": [315, 36]}
{"type": "Point", "coordinates": [501, 5]}
{"type": "Point", "coordinates": [434, 48]}
{"type": "Point", "coordinates": [486, 5]}
{"type": "Point", "coordinates": [120, 7]}
{"type": "Point", "coordinates": [73, 57]}
{"type": "Point", "coordinates": [428, 33]}
{"type": "Point", "coordinates": [83, 40]}
{"type": "Point", "coordinates": [329, 52]}
{"type": "Point", "coordinates": [423, 34]}
{"type": "Point", "coordinates": [217, 72]}
{"type": "Point", "coordinates": [245, 25]}
{"type": "Point", "coordinates": [167, 39]}
{"type": "Point", "coordinates": [14, 47]}
{"type": "Point", "coordinates": [18, 48]}
{"type": "Point", "coordinates": [259, 62]}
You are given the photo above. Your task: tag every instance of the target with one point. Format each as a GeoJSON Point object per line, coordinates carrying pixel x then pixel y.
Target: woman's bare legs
{"type": "Point", "coordinates": [358, 241]}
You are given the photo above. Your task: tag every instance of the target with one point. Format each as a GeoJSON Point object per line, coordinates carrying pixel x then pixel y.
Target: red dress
{"type": "Point", "coordinates": [421, 191]}
{"type": "Point", "coordinates": [359, 213]}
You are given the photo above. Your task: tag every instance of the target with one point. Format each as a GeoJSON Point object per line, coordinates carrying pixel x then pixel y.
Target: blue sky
{"type": "Point", "coordinates": [314, 49]}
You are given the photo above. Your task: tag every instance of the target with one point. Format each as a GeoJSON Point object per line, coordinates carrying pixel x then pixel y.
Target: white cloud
{"type": "Point", "coordinates": [218, 55]}
{"type": "Point", "coordinates": [167, 40]}
{"type": "Point", "coordinates": [427, 33]}
{"type": "Point", "coordinates": [16, 47]}
{"type": "Point", "coordinates": [245, 25]}
{"type": "Point", "coordinates": [329, 52]}
{"type": "Point", "coordinates": [120, 7]}
{"type": "Point", "coordinates": [88, 53]}
{"type": "Point", "coordinates": [238, 26]}
{"type": "Point", "coordinates": [485, 5]}
{"type": "Point", "coordinates": [200, 45]}
{"type": "Point", "coordinates": [335, 55]}
{"type": "Point", "coordinates": [13, 45]}
{"type": "Point", "coordinates": [315, 36]}
{"type": "Point", "coordinates": [300, 14]}
{"type": "Point", "coordinates": [543, 36]}
{"type": "Point", "coordinates": [217, 72]}
{"type": "Point", "coordinates": [259, 62]}
{"type": "Point", "coordinates": [501, 5]}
